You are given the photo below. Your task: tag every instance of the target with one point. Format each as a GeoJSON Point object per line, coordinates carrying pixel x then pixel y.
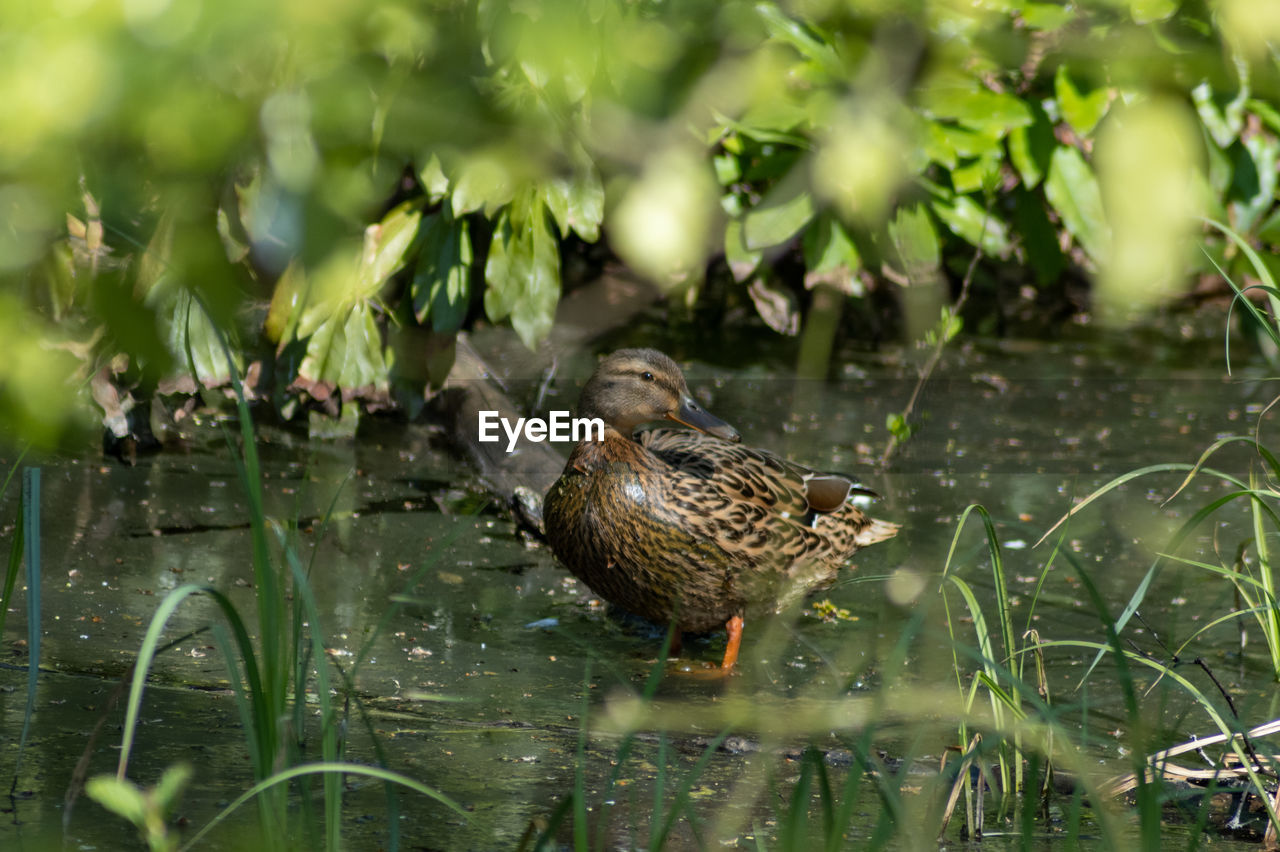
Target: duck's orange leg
{"type": "Point", "coordinates": [707, 671]}
{"type": "Point", "coordinates": [734, 626]}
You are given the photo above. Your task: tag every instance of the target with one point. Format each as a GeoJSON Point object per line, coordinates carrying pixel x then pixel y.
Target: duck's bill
{"type": "Point", "coordinates": [696, 417]}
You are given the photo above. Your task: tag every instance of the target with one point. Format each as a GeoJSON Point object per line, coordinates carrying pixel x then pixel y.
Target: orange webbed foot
{"type": "Point", "coordinates": [706, 671]}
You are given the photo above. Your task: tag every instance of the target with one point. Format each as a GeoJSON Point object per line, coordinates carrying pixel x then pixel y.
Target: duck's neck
{"type": "Point", "coordinates": [623, 430]}
{"type": "Point", "coordinates": [613, 447]}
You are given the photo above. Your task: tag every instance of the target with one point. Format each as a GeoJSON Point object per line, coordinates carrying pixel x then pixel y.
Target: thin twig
{"type": "Point", "coordinates": [936, 355]}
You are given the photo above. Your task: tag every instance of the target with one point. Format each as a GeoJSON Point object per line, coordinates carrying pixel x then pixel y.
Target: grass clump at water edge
{"type": "Point", "coordinates": [903, 762]}
{"type": "Point", "coordinates": [270, 680]}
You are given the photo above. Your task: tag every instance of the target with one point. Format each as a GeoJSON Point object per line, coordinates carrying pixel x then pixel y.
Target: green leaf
{"type": "Point", "coordinates": [171, 784]}
{"type": "Point", "coordinates": [1039, 238]}
{"type": "Point", "coordinates": [1220, 168]}
{"type": "Point", "coordinates": [1030, 148]}
{"type": "Point", "coordinates": [194, 341]}
{"type": "Point", "coordinates": [577, 203]}
{"type": "Point", "coordinates": [965, 218]}
{"type": "Point", "coordinates": [947, 144]}
{"type": "Point", "coordinates": [742, 261]}
{"type": "Point", "coordinates": [363, 364]}
{"type": "Point", "coordinates": [483, 182]}
{"type": "Point", "coordinates": [441, 286]}
{"type": "Point", "coordinates": [344, 345]}
{"type": "Point", "coordinates": [346, 351]}
{"type": "Point", "coordinates": [827, 245]}
{"type": "Point", "coordinates": [501, 270]}
{"type": "Point", "coordinates": [1150, 11]}
{"type": "Point", "coordinates": [963, 100]}
{"type": "Point", "coordinates": [1048, 16]}
{"type": "Point", "coordinates": [916, 242]}
{"type": "Point", "coordinates": [236, 249]}
{"type": "Point", "coordinates": [728, 170]}
{"type": "Point", "coordinates": [1072, 190]}
{"type": "Point", "coordinates": [1082, 112]}
{"type": "Point", "coordinates": [898, 426]}
{"type": "Point", "coordinates": [830, 256]}
{"type": "Point", "coordinates": [120, 797]}
{"type": "Point", "coordinates": [1253, 188]}
{"type": "Point", "coordinates": [778, 217]}
{"type": "Point", "coordinates": [1225, 124]}
{"type": "Point", "coordinates": [385, 245]}
{"type": "Point", "coordinates": [155, 260]}
{"type": "Point", "coordinates": [434, 180]}
{"type": "Point", "coordinates": [523, 270]}
{"type": "Point", "coordinates": [534, 313]}
{"type": "Point", "coordinates": [286, 300]}
{"type": "Point", "coordinates": [1269, 114]}
{"type": "Point", "coordinates": [949, 325]}
{"type": "Point", "coordinates": [782, 28]}
{"type": "Point", "coordinates": [1269, 230]}
{"type": "Point", "coordinates": [980, 174]}
{"type": "Point", "coordinates": [763, 133]}
{"type": "Point", "coordinates": [555, 194]}
{"type": "Point", "coordinates": [252, 209]}
{"type": "Point", "coordinates": [189, 335]}
{"type": "Point", "coordinates": [773, 117]}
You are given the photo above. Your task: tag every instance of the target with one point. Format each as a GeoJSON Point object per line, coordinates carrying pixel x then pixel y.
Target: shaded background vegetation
{"type": "Point", "coordinates": [341, 187]}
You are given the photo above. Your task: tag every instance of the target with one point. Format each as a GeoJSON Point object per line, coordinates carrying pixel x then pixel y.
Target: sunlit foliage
{"type": "Point", "coordinates": [323, 178]}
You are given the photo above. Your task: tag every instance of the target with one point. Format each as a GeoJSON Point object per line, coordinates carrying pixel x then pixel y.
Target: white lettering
{"type": "Point", "coordinates": [487, 423]}
{"type": "Point", "coordinates": [560, 426]}
{"type": "Point", "coordinates": [590, 425]}
{"type": "Point", "coordinates": [513, 435]}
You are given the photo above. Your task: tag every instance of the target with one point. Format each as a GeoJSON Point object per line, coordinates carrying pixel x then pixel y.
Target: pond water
{"type": "Point", "coordinates": [491, 654]}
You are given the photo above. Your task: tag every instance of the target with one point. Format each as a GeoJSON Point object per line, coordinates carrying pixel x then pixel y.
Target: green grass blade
{"type": "Point", "coordinates": [16, 549]}
{"type": "Point", "coordinates": [1271, 616]}
{"type": "Point", "coordinates": [681, 799]}
{"type": "Point", "coordinates": [146, 653]}
{"type": "Point", "coordinates": [558, 816]}
{"type": "Point", "coordinates": [659, 784]}
{"type": "Point", "coordinates": [271, 598]}
{"type": "Point", "coordinates": [239, 691]}
{"type": "Point", "coordinates": [1223, 725]}
{"type": "Point", "coordinates": [323, 768]}
{"type": "Point", "coordinates": [328, 714]}
{"type": "Point", "coordinates": [849, 795]}
{"type": "Point", "coordinates": [1268, 286]}
{"type": "Point", "coordinates": [795, 818]}
{"type": "Point", "coordinates": [31, 544]}
{"type": "Point", "coordinates": [1131, 475]}
{"type": "Point", "coordinates": [580, 827]}
{"type": "Point", "coordinates": [1140, 593]}
{"type": "Point", "coordinates": [825, 793]}
{"type": "Point", "coordinates": [1213, 448]}
{"type": "Point", "coordinates": [628, 742]}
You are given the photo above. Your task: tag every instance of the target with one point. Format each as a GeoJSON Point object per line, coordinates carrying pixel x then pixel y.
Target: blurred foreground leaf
{"type": "Point", "coordinates": [1073, 191]}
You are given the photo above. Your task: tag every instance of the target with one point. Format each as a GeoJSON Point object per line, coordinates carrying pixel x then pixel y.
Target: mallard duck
{"type": "Point", "coordinates": [688, 523]}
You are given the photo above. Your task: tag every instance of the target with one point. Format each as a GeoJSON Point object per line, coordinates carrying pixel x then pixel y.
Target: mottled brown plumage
{"type": "Point", "coordinates": [689, 522]}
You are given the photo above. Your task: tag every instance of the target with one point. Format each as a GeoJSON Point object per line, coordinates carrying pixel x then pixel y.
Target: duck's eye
{"type": "Point", "coordinates": [647, 376]}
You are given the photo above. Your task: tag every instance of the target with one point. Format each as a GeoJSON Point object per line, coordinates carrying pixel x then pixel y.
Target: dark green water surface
{"type": "Point", "coordinates": [478, 686]}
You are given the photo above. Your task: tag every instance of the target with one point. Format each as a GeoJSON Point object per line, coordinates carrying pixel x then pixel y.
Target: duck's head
{"type": "Point", "coordinates": [634, 386]}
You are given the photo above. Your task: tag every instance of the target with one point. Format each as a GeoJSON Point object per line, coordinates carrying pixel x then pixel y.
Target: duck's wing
{"type": "Point", "coordinates": [763, 510]}
{"type": "Point", "coordinates": [748, 476]}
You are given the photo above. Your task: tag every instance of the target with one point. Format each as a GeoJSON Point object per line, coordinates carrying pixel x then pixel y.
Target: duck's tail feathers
{"type": "Point", "coordinates": [874, 531]}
